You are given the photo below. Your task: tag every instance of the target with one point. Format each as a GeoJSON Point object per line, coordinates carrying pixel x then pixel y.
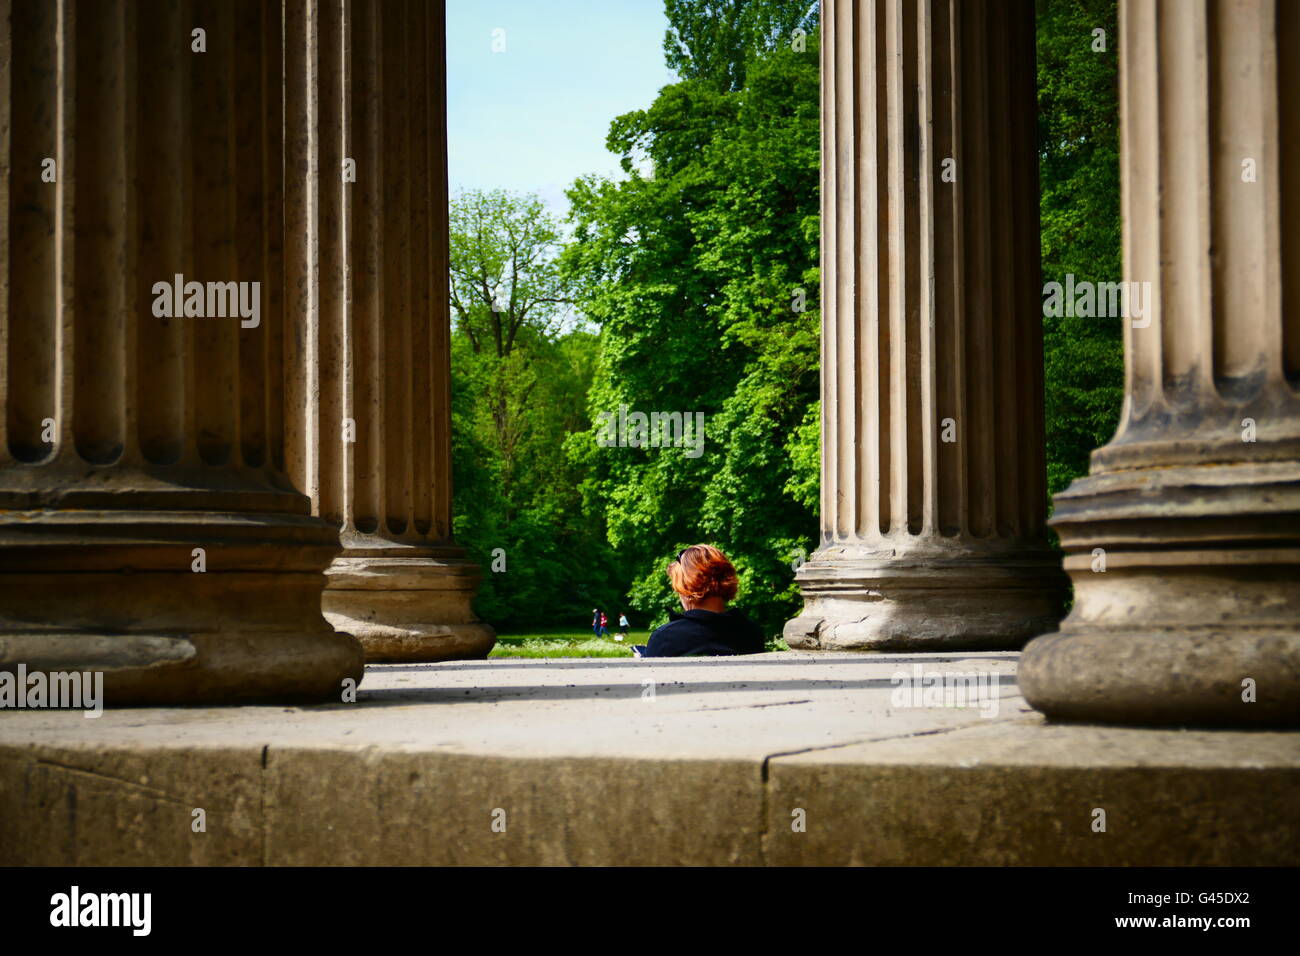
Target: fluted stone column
{"type": "Point", "coordinates": [369, 435]}
{"type": "Point", "coordinates": [147, 527]}
{"type": "Point", "coordinates": [933, 495]}
{"type": "Point", "coordinates": [1184, 540]}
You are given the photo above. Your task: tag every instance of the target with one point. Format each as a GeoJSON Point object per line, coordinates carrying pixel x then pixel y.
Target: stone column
{"type": "Point", "coordinates": [369, 436]}
{"type": "Point", "coordinates": [1184, 540]}
{"type": "Point", "coordinates": [147, 527]}
{"type": "Point", "coordinates": [933, 478]}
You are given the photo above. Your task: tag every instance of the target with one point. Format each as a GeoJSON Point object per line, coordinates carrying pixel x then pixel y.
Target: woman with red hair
{"type": "Point", "coordinates": [704, 581]}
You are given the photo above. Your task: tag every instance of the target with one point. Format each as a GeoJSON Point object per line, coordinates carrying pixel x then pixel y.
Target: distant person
{"type": "Point", "coordinates": [604, 631]}
{"type": "Point", "coordinates": [595, 622]}
{"type": "Point", "coordinates": [704, 581]}
{"type": "Point", "coordinates": [622, 626]}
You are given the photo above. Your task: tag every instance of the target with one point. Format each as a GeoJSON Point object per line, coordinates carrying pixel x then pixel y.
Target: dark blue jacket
{"type": "Point", "coordinates": [699, 632]}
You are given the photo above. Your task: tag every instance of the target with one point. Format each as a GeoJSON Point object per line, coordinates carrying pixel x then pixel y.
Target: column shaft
{"type": "Point", "coordinates": [370, 436]}
{"type": "Point", "coordinates": [1184, 540]}
{"type": "Point", "coordinates": [147, 527]}
{"type": "Point", "coordinates": [933, 483]}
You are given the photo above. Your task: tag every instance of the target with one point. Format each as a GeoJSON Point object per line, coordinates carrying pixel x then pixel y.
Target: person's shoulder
{"type": "Point", "coordinates": [747, 629]}
{"type": "Point", "coordinates": [675, 622]}
{"type": "Point", "coordinates": [673, 638]}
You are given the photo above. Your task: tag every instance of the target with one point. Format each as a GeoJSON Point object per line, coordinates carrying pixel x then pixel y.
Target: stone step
{"type": "Point", "coordinates": [776, 759]}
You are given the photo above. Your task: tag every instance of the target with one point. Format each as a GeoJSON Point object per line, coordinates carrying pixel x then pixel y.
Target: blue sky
{"type": "Point", "coordinates": [534, 117]}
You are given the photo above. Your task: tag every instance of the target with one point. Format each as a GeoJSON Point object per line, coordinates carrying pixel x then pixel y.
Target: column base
{"type": "Point", "coordinates": [407, 602]}
{"type": "Point", "coordinates": [218, 667]}
{"type": "Point", "coordinates": [117, 593]}
{"type": "Point", "coordinates": [1186, 598]}
{"type": "Point", "coordinates": [1192, 639]}
{"type": "Point", "coordinates": [884, 599]}
{"type": "Point", "coordinates": [1192, 679]}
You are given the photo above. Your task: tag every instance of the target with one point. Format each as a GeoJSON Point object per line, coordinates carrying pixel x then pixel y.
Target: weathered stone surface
{"type": "Point", "coordinates": [147, 527]}
{"type": "Point", "coordinates": [439, 809]}
{"type": "Point", "coordinates": [407, 602]}
{"type": "Point", "coordinates": [73, 806]}
{"type": "Point", "coordinates": [1024, 793]}
{"type": "Point", "coordinates": [933, 477]}
{"type": "Point", "coordinates": [1184, 540]}
{"type": "Point", "coordinates": [927, 598]}
{"type": "Point", "coordinates": [590, 769]}
{"type": "Point", "coordinates": [369, 429]}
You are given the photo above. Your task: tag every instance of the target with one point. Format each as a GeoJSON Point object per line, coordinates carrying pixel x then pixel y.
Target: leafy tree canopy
{"type": "Point", "coordinates": [504, 279]}
{"type": "Point", "coordinates": [1078, 136]}
{"type": "Point", "coordinates": [704, 279]}
{"type": "Point", "coordinates": [519, 387]}
{"type": "Point", "coordinates": [714, 40]}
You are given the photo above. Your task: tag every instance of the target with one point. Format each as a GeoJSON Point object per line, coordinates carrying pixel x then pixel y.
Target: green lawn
{"type": "Point", "coordinates": [566, 642]}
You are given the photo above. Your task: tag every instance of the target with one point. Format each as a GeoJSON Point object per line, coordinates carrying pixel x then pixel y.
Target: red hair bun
{"type": "Point", "coordinates": [703, 571]}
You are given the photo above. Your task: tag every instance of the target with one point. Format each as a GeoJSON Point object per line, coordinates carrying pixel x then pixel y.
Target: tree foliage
{"type": "Point", "coordinates": [1078, 137]}
{"type": "Point", "coordinates": [519, 387]}
{"type": "Point", "coordinates": [694, 275]}
{"type": "Point", "coordinates": [715, 40]}
{"type": "Point", "coordinates": [504, 279]}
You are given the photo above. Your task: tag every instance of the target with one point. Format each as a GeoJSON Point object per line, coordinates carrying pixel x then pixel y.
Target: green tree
{"type": "Point", "coordinates": [504, 279]}
{"type": "Point", "coordinates": [505, 291]}
{"type": "Point", "coordinates": [1079, 181]}
{"type": "Point", "coordinates": [714, 40]}
{"type": "Point", "coordinates": [520, 379]}
{"type": "Point", "coordinates": [704, 280]}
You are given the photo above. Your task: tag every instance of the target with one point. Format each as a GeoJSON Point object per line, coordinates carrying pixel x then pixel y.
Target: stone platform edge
{"type": "Point", "coordinates": [1016, 793]}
